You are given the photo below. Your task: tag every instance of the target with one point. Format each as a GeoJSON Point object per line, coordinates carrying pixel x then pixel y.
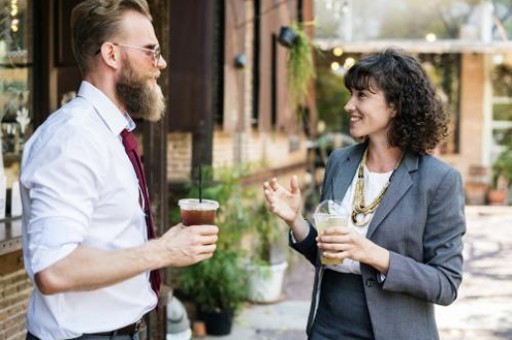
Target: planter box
{"type": "Point", "coordinates": [266, 282]}
{"type": "Point", "coordinates": [476, 193]}
{"type": "Point", "coordinates": [218, 323]}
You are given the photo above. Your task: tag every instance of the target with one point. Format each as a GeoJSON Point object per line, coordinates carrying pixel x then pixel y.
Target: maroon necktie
{"type": "Point", "coordinates": [130, 146]}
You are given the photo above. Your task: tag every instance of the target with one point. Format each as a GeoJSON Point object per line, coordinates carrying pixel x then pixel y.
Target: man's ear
{"type": "Point", "coordinates": [110, 55]}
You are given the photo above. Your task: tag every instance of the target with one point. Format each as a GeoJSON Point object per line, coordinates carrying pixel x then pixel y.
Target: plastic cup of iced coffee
{"type": "Point", "coordinates": [196, 212]}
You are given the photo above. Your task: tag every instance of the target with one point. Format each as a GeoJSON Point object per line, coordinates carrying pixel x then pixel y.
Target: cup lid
{"type": "Point", "coordinates": [194, 204]}
{"type": "Point", "coordinates": [330, 207]}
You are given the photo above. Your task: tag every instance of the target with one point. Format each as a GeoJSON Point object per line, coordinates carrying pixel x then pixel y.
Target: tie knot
{"type": "Point", "coordinates": [129, 140]}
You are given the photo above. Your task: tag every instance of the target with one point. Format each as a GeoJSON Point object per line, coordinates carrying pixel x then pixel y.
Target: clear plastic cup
{"type": "Point", "coordinates": [195, 212]}
{"type": "Point", "coordinates": [329, 214]}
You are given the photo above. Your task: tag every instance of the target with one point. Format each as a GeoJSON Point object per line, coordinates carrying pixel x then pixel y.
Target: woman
{"type": "Point", "coordinates": [402, 248]}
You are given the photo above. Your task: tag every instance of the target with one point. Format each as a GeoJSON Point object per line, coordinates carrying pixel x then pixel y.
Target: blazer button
{"type": "Point", "coordinates": [370, 282]}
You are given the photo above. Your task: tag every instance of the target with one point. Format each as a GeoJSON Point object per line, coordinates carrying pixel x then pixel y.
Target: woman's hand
{"type": "Point", "coordinates": [286, 204]}
{"type": "Point", "coordinates": [282, 202]}
{"type": "Point", "coordinates": [345, 242]}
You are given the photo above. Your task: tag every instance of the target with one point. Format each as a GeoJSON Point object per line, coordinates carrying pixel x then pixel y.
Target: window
{"type": "Point", "coordinates": [15, 97]}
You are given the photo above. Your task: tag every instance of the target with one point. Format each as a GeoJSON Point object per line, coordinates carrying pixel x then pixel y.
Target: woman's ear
{"type": "Point", "coordinates": [392, 108]}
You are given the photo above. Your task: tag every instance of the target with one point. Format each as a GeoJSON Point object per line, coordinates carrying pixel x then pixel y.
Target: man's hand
{"type": "Point", "coordinates": [186, 245]}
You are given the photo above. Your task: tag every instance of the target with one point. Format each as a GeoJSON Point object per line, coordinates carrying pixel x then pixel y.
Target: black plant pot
{"type": "Point", "coordinates": [287, 36]}
{"type": "Point", "coordinates": [218, 323]}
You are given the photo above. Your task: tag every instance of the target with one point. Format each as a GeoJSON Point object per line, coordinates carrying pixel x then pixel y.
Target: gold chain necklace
{"type": "Point", "coordinates": [359, 209]}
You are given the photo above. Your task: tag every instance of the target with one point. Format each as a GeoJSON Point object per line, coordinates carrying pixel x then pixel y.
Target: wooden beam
{"type": "Point", "coordinates": [11, 262]}
{"type": "Point", "coordinates": [418, 46]}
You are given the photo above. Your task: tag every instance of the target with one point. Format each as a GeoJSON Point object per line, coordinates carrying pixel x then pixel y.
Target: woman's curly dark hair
{"type": "Point", "coordinates": [421, 123]}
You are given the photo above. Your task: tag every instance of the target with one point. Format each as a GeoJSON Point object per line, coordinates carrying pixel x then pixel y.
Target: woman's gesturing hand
{"type": "Point", "coordinates": [284, 203]}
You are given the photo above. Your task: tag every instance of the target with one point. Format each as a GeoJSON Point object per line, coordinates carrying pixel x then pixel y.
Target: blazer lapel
{"type": "Point", "coordinates": [342, 177]}
{"type": "Point", "coordinates": [400, 184]}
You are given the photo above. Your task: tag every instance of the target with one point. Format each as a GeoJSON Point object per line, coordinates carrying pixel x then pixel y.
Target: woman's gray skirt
{"type": "Point", "coordinates": [342, 311]}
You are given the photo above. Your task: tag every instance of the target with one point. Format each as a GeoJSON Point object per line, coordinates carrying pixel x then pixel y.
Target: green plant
{"type": "Point", "coordinates": [268, 235]}
{"type": "Point", "coordinates": [218, 284]}
{"type": "Point", "coordinates": [502, 166]}
{"type": "Point", "coordinates": [331, 95]}
{"type": "Point", "coordinates": [300, 65]}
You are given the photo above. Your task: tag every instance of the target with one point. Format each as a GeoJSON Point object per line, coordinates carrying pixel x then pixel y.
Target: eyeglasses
{"type": "Point", "coordinates": [157, 52]}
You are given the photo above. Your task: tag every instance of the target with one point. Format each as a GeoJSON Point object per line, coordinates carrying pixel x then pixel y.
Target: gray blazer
{"type": "Point", "coordinates": [421, 222]}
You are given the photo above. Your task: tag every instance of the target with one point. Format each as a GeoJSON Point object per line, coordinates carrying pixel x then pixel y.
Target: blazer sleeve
{"type": "Point", "coordinates": [436, 279]}
{"type": "Point", "coordinates": [308, 247]}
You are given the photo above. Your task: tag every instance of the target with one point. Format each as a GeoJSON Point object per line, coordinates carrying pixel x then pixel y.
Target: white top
{"type": "Point", "coordinates": [373, 184]}
{"type": "Point", "coordinates": [79, 187]}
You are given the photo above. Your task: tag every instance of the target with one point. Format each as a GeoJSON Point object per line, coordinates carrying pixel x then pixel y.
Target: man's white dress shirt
{"type": "Point", "coordinates": [79, 187]}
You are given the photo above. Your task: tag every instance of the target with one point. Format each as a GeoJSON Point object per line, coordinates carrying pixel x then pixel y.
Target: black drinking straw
{"type": "Point", "coordinates": [200, 184]}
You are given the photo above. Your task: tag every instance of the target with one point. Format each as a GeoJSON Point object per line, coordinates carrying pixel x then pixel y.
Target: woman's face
{"type": "Point", "coordinates": [370, 114]}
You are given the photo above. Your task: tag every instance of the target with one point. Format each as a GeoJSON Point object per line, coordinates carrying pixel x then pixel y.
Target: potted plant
{"type": "Point", "coordinates": [268, 256]}
{"type": "Point", "coordinates": [217, 287]}
{"type": "Point", "coordinates": [300, 64]}
{"type": "Point", "coordinates": [502, 176]}
{"type": "Point", "coordinates": [476, 185]}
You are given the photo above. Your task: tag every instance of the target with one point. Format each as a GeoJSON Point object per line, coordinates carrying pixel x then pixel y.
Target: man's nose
{"type": "Point", "coordinates": [161, 64]}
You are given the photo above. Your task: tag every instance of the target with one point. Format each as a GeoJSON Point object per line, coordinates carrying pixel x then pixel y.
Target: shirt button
{"type": "Point", "coordinates": [370, 282]}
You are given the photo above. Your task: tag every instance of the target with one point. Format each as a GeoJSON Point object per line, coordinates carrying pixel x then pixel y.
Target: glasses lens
{"type": "Point", "coordinates": [156, 54]}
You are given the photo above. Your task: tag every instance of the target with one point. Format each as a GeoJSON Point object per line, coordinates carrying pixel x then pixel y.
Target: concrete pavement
{"type": "Point", "coordinates": [483, 309]}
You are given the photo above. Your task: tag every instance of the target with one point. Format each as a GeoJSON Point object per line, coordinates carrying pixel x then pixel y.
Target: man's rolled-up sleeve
{"type": "Point", "coordinates": [52, 239]}
{"type": "Point", "coordinates": [60, 182]}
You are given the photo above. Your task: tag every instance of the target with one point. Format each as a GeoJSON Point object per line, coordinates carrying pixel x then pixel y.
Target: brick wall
{"type": "Point", "coordinates": [474, 107]}
{"type": "Point", "coordinates": [275, 150]}
{"type": "Point", "coordinates": [15, 289]}
{"type": "Point", "coordinates": [179, 155]}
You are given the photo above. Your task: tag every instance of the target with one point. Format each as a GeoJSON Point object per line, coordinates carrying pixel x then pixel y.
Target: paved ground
{"type": "Point", "coordinates": [483, 310]}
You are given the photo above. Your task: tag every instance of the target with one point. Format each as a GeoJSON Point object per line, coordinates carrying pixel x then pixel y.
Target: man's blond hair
{"type": "Point", "coordinates": [94, 21]}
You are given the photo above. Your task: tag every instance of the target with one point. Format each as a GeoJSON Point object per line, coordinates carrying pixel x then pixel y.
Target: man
{"type": "Point", "coordinates": [85, 234]}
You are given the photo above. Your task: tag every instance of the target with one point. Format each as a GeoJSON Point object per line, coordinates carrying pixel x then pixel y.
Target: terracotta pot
{"type": "Point", "coordinates": [496, 196]}
{"type": "Point", "coordinates": [199, 329]}
{"type": "Point", "coordinates": [475, 193]}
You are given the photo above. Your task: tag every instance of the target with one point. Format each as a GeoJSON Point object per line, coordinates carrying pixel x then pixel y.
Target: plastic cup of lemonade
{"type": "Point", "coordinates": [195, 211]}
{"type": "Point", "coordinates": [329, 214]}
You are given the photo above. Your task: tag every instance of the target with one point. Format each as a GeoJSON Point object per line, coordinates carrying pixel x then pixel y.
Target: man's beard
{"type": "Point", "coordinates": [140, 99]}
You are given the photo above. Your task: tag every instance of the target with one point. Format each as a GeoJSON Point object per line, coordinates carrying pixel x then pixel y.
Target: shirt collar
{"type": "Point", "coordinates": [115, 120]}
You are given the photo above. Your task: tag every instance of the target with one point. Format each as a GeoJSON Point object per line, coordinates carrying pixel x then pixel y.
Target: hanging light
{"type": "Point", "coordinates": [240, 61]}
{"type": "Point", "coordinates": [337, 51]}
{"type": "Point", "coordinates": [14, 25]}
{"type": "Point", "coordinates": [349, 62]}
{"type": "Point", "coordinates": [430, 37]}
